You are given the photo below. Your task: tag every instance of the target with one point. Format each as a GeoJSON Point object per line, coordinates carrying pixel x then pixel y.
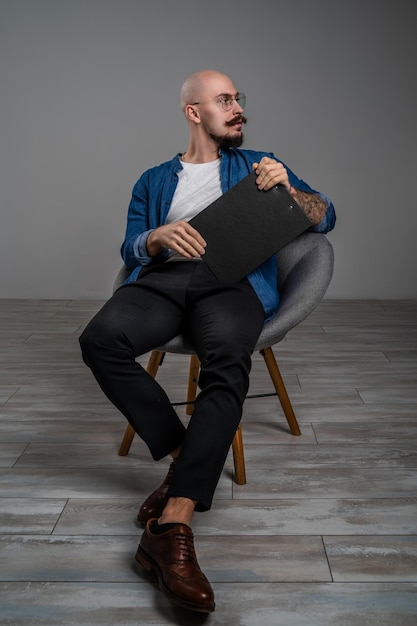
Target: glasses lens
{"type": "Point", "coordinates": [241, 99]}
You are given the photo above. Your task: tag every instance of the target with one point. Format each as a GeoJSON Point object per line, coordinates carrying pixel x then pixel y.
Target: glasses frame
{"type": "Point", "coordinates": [227, 105]}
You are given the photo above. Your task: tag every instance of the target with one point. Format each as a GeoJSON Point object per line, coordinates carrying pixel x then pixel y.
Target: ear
{"type": "Point", "coordinates": [192, 114]}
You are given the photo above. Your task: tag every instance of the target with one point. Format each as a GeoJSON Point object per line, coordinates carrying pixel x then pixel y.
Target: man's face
{"type": "Point", "coordinates": [232, 136]}
{"type": "Point", "coordinates": [223, 126]}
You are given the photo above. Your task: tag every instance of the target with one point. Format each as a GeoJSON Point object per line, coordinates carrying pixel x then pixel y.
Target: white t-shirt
{"type": "Point", "coordinates": [198, 186]}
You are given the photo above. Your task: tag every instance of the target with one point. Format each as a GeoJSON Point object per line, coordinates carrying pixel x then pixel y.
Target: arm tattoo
{"type": "Point", "coordinates": [313, 205]}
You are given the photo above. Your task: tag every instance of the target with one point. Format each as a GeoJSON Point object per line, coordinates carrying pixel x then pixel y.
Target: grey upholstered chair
{"type": "Point", "coordinates": [305, 268]}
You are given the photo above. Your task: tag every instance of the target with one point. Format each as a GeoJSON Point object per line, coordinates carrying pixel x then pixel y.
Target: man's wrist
{"type": "Point", "coordinates": [153, 247]}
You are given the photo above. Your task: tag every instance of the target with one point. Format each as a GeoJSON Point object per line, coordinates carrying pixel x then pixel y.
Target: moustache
{"type": "Point", "coordinates": [236, 120]}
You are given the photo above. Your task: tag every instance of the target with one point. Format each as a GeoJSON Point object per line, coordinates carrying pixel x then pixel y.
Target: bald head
{"type": "Point", "coordinates": [199, 84]}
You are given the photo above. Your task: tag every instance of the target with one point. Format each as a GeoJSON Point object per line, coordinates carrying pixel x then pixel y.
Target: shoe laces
{"type": "Point", "coordinates": [186, 545]}
{"type": "Point", "coordinates": [170, 473]}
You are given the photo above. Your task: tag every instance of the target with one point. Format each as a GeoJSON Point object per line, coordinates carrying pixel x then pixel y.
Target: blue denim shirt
{"type": "Point", "coordinates": [151, 199]}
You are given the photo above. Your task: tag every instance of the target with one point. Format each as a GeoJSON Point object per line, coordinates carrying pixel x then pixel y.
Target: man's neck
{"type": "Point", "coordinates": [195, 154]}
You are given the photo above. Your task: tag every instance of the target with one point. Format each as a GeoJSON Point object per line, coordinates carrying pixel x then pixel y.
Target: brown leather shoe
{"type": "Point", "coordinates": [156, 502]}
{"type": "Point", "coordinates": [172, 556]}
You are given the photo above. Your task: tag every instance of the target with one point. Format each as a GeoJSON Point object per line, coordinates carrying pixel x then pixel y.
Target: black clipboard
{"type": "Point", "coordinates": [246, 226]}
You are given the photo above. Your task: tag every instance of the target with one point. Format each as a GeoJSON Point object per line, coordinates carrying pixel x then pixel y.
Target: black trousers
{"type": "Point", "coordinates": [223, 322]}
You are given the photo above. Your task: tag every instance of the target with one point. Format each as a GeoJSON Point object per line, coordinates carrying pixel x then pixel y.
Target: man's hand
{"type": "Point", "coordinates": [270, 173]}
{"type": "Point", "coordinates": [178, 236]}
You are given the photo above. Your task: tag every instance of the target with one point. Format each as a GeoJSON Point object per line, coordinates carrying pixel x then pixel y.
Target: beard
{"type": "Point", "coordinates": [230, 141]}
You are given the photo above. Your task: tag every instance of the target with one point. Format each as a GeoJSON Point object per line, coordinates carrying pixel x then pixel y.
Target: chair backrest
{"type": "Point", "coordinates": [122, 275]}
{"type": "Point", "coordinates": [305, 269]}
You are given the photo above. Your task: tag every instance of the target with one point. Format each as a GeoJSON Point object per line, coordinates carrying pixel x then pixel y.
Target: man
{"type": "Point", "coordinates": [170, 290]}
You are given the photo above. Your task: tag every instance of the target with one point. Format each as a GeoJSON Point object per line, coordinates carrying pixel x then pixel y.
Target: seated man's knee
{"type": "Point", "coordinates": [87, 343]}
{"type": "Point", "coordinates": [96, 337]}
{"type": "Point", "coordinates": [235, 342]}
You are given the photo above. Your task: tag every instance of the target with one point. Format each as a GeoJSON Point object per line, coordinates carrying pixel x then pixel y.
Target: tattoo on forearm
{"type": "Point", "coordinates": [312, 205]}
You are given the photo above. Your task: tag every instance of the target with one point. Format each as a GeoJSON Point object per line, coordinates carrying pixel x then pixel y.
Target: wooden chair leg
{"type": "Point", "coordinates": [279, 385]}
{"type": "Point", "coordinates": [239, 457]}
{"type": "Point", "coordinates": [127, 440]}
{"type": "Point", "coordinates": [154, 362]}
{"type": "Point", "coordinates": [192, 383]}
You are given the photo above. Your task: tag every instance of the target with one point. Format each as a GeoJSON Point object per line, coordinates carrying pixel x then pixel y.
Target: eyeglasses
{"type": "Point", "coordinates": [226, 101]}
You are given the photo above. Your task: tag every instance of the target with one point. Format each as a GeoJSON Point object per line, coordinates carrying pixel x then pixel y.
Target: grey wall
{"type": "Point", "coordinates": [90, 98]}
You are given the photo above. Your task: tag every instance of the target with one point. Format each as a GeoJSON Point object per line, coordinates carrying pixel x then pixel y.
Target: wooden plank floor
{"type": "Point", "coordinates": [324, 532]}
